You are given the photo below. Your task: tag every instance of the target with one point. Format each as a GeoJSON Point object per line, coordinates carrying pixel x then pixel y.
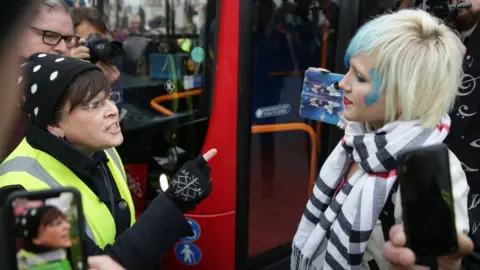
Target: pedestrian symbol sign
{"type": "Point", "coordinates": [188, 253]}
{"type": "Point", "coordinates": [196, 231]}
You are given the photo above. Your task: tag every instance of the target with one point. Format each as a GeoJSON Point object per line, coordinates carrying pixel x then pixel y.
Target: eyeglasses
{"type": "Point", "coordinates": [114, 97]}
{"type": "Point", "coordinates": [53, 38]}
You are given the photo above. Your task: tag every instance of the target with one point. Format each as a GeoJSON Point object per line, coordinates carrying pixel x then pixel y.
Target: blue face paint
{"type": "Point", "coordinates": [374, 95]}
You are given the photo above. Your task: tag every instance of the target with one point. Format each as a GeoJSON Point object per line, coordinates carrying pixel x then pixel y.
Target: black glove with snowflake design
{"type": "Point", "coordinates": [191, 184]}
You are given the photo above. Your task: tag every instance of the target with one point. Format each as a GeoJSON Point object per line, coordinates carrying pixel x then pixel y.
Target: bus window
{"type": "Point", "coordinates": [288, 38]}
{"type": "Point", "coordinates": [166, 78]}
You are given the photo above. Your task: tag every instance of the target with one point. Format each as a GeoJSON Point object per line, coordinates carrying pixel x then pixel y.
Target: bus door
{"type": "Point", "coordinates": [286, 38]}
{"type": "Point", "coordinates": [172, 111]}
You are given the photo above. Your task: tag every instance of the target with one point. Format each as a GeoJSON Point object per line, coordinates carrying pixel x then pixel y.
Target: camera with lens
{"type": "Point", "coordinates": [103, 50]}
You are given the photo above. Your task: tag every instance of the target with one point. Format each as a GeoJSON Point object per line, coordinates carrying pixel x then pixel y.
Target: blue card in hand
{"type": "Point", "coordinates": [320, 100]}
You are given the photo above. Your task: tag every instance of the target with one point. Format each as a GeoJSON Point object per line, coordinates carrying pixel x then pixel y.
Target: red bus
{"type": "Point", "coordinates": [227, 74]}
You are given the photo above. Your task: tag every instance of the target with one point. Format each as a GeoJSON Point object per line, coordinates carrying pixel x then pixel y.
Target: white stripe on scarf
{"type": "Point", "coordinates": [333, 233]}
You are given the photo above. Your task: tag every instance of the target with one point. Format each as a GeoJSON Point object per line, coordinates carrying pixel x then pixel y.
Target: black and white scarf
{"type": "Point", "coordinates": [340, 215]}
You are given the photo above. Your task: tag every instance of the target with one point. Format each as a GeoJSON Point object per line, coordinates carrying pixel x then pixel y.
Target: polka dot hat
{"type": "Point", "coordinates": [48, 77]}
{"type": "Point", "coordinates": [28, 223]}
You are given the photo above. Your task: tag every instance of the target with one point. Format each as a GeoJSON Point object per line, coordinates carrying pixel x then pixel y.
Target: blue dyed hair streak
{"type": "Point", "coordinates": [365, 42]}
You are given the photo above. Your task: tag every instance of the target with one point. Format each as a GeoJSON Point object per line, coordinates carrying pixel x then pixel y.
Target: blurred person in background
{"type": "Point", "coordinates": [10, 25]}
{"type": "Point", "coordinates": [88, 21]}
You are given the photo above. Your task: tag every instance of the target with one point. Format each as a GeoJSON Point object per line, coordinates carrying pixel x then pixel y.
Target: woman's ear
{"type": "Point", "coordinates": [56, 130]}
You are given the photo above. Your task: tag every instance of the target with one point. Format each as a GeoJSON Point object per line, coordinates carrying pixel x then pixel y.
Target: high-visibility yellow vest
{"type": "Point", "coordinates": [36, 170]}
{"type": "Point", "coordinates": [30, 261]}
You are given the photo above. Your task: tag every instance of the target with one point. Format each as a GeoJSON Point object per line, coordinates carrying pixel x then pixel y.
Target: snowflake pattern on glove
{"type": "Point", "coordinates": [186, 186]}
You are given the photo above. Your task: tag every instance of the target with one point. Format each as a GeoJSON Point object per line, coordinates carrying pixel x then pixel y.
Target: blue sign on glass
{"type": "Point", "coordinates": [196, 231]}
{"type": "Point", "coordinates": [188, 253]}
{"type": "Point", "coordinates": [198, 54]}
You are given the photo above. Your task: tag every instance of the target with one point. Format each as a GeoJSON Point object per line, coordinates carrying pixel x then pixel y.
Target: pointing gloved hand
{"type": "Point", "coordinates": [191, 184]}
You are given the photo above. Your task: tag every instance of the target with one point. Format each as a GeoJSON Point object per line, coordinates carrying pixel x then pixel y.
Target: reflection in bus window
{"type": "Point", "coordinates": [168, 45]}
{"type": "Point", "coordinates": [156, 16]}
{"type": "Point", "coordinates": [166, 78]}
{"type": "Point", "coordinates": [288, 38]}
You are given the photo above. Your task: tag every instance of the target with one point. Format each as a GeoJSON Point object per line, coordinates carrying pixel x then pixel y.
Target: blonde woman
{"type": "Point", "coordinates": [404, 71]}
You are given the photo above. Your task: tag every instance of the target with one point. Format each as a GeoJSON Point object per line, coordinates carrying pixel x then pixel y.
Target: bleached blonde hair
{"type": "Point", "coordinates": [419, 64]}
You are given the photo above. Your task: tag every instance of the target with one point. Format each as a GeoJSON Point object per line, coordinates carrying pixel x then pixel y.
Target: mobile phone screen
{"type": "Point", "coordinates": [320, 100]}
{"type": "Point", "coordinates": [427, 201]}
{"type": "Point", "coordinates": [47, 232]}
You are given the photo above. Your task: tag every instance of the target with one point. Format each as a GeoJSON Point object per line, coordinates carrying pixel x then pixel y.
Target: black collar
{"type": "Point", "coordinates": [80, 163]}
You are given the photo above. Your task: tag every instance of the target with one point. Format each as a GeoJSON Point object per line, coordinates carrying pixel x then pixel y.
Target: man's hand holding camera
{"type": "Point", "coordinates": [83, 52]}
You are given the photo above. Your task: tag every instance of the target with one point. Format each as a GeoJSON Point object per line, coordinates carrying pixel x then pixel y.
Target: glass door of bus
{"type": "Point", "coordinates": [286, 151]}
{"type": "Point", "coordinates": [287, 37]}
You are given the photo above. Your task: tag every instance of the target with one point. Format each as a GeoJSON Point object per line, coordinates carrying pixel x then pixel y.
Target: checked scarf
{"type": "Point", "coordinates": [340, 215]}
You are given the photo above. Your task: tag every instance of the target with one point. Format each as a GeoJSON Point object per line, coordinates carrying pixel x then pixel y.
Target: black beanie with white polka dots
{"type": "Point", "coordinates": [28, 223]}
{"type": "Point", "coordinates": [48, 77]}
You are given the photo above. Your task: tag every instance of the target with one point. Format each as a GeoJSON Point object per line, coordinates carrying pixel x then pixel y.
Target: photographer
{"type": "Point", "coordinates": [87, 22]}
{"type": "Point", "coordinates": [464, 137]}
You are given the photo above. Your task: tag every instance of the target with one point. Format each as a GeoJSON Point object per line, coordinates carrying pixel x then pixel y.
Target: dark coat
{"type": "Point", "coordinates": [148, 240]}
{"type": "Point", "coordinates": [464, 138]}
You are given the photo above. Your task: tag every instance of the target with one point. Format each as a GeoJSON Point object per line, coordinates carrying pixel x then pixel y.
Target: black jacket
{"type": "Point", "coordinates": [143, 245]}
{"type": "Point", "coordinates": [464, 139]}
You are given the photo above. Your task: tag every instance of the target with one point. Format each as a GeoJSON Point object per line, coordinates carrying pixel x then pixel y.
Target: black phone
{"type": "Point", "coordinates": [427, 201]}
{"type": "Point", "coordinates": [45, 230]}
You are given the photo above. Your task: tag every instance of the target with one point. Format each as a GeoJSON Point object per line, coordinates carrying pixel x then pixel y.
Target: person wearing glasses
{"type": "Point", "coordinates": [15, 16]}
{"type": "Point", "coordinates": [70, 139]}
{"type": "Point", "coordinates": [50, 30]}
{"type": "Point", "coordinates": [88, 21]}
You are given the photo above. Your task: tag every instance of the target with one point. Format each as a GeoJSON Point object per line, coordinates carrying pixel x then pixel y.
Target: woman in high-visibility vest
{"type": "Point", "coordinates": [70, 140]}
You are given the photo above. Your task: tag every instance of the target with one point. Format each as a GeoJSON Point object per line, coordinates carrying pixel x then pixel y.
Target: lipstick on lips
{"type": "Point", "coordinates": [346, 101]}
